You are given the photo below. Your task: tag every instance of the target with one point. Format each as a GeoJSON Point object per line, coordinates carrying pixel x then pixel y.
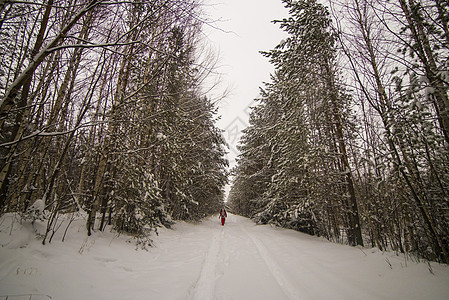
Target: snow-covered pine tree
{"type": "Point", "coordinates": [312, 183]}
{"type": "Point", "coordinates": [255, 164]}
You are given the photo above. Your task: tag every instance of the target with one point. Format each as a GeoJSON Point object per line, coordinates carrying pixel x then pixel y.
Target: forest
{"type": "Point", "coordinates": [104, 111]}
{"type": "Point", "coordinates": [349, 139]}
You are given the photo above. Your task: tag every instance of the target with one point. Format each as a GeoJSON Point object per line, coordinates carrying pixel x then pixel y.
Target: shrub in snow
{"type": "Point", "coordinates": [36, 211]}
{"type": "Point", "coordinates": [142, 211]}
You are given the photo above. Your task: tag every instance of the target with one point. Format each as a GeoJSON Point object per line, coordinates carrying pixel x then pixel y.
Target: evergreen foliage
{"type": "Point", "coordinates": [361, 158]}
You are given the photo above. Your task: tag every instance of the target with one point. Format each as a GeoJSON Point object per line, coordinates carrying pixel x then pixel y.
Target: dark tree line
{"type": "Point", "coordinates": [349, 139]}
{"type": "Point", "coordinates": [103, 110]}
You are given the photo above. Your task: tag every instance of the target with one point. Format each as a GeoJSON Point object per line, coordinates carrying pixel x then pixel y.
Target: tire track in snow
{"type": "Point", "coordinates": [286, 285]}
{"type": "Point", "coordinates": [204, 288]}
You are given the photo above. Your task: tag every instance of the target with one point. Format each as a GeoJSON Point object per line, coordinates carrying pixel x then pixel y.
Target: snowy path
{"type": "Point", "coordinates": [289, 289]}
{"type": "Point", "coordinates": [245, 261]}
{"type": "Point", "coordinates": [207, 261]}
{"type": "Point", "coordinates": [205, 287]}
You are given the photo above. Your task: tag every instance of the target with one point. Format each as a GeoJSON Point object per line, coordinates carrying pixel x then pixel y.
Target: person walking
{"type": "Point", "coordinates": [223, 215]}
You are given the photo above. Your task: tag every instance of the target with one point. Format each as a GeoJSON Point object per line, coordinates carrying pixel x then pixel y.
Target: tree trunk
{"type": "Point", "coordinates": [425, 54]}
{"type": "Point", "coordinates": [384, 108]}
{"type": "Point", "coordinates": [7, 101]}
{"type": "Point", "coordinates": [355, 229]}
{"type": "Point", "coordinates": [23, 82]}
{"type": "Point", "coordinates": [22, 112]}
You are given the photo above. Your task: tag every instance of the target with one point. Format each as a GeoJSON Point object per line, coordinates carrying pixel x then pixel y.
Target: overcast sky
{"type": "Point", "coordinates": [246, 29]}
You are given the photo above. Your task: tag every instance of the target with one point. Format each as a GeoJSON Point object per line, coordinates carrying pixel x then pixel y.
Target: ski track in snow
{"type": "Point", "coordinates": [286, 285]}
{"type": "Point", "coordinates": [217, 259]}
{"type": "Point", "coordinates": [204, 288]}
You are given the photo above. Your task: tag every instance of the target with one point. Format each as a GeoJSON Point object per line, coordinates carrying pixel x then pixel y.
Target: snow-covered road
{"type": "Point", "coordinates": [207, 261]}
{"type": "Point", "coordinates": [245, 261]}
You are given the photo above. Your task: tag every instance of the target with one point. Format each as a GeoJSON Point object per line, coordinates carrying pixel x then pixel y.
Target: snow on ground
{"type": "Point", "coordinates": [206, 261]}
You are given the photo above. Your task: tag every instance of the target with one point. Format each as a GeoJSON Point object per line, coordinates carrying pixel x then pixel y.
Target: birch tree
{"type": "Point", "coordinates": [115, 124]}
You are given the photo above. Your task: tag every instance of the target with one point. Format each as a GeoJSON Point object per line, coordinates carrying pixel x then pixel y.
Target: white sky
{"type": "Point", "coordinates": [246, 29]}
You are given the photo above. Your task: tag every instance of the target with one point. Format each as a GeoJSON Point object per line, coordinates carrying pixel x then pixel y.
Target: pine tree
{"type": "Point", "coordinates": [307, 138]}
